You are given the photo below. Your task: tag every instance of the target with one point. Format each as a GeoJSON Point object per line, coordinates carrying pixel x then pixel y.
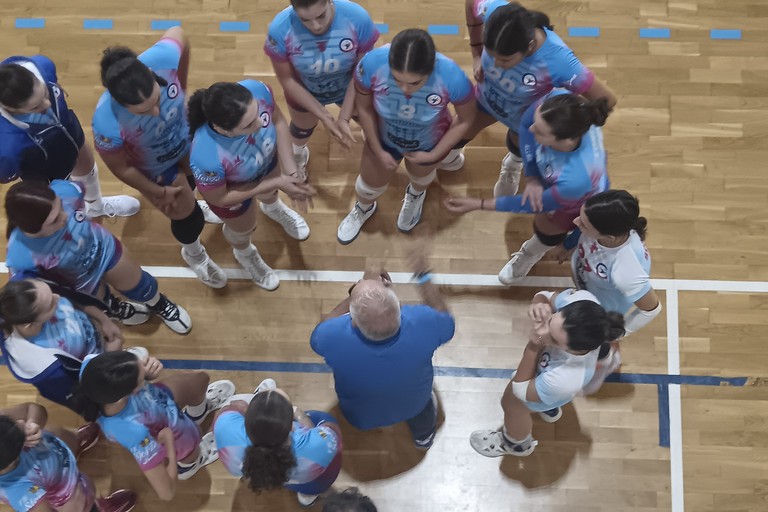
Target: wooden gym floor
{"type": "Point", "coordinates": [684, 426]}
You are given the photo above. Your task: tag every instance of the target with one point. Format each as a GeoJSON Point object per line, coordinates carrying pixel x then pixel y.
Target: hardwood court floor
{"type": "Point", "coordinates": [688, 137]}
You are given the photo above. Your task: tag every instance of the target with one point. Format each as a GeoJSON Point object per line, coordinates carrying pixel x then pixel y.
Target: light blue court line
{"type": "Point", "coordinates": [655, 33]}
{"type": "Point", "coordinates": [584, 31]}
{"type": "Point", "coordinates": [443, 30]}
{"type": "Point", "coordinates": [30, 22]}
{"type": "Point", "coordinates": [97, 24]}
{"type": "Point", "coordinates": [663, 415]}
{"type": "Point", "coordinates": [731, 34]}
{"type": "Point", "coordinates": [164, 24]}
{"type": "Point", "coordinates": [383, 28]}
{"type": "Point", "coordinates": [235, 26]}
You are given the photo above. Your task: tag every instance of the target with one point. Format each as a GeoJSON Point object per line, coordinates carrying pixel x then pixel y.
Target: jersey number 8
{"type": "Point", "coordinates": [407, 111]}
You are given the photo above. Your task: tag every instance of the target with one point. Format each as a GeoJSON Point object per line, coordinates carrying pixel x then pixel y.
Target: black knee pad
{"type": "Point", "coordinates": [188, 230]}
{"type": "Point", "coordinates": [300, 133]}
{"type": "Point", "coordinates": [549, 240]}
{"type": "Point", "coordinates": [511, 146]}
{"type": "Point", "coordinates": [191, 181]}
{"type": "Point", "coordinates": [461, 143]}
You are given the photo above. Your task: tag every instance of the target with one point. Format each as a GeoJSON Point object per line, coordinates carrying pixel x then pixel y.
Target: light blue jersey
{"type": "Point", "coordinates": [506, 93]}
{"type": "Point", "coordinates": [218, 160]}
{"type": "Point", "coordinates": [418, 122]}
{"type": "Point", "coordinates": [46, 473]}
{"type": "Point", "coordinates": [153, 143]}
{"type": "Point", "coordinates": [617, 276]}
{"type": "Point", "coordinates": [69, 330]}
{"type": "Point", "coordinates": [77, 255]}
{"type": "Point", "coordinates": [323, 63]}
{"type": "Point", "coordinates": [569, 178]}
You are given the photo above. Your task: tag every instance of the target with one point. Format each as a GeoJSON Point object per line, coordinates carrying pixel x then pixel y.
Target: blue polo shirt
{"type": "Point", "coordinates": [381, 383]}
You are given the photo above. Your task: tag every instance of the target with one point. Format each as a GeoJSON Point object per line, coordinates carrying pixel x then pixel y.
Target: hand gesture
{"type": "Point", "coordinates": [420, 157]}
{"type": "Point", "coordinates": [387, 161]}
{"type": "Point", "coordinates": [166, 202]}
{"type": "Point", "coordinates": [347, 136]}
{"type": "Point", "coordinates": [462, 204]}
{"type": "Point", "coordinates": [477, 69]}
{"type": "Point", "coordinates": [153, 367]}
{"type": "Point", "coordinates": [300, 192]}
{"type": "Point", "coordinates": [112, 334]}
{"type": "Point", "coordinates": [32, 432]}
{"type": "Point", "coordinates": [532, 193]}
{"type": "Point", "coordinates": [332, 127]}
{"type": "Point", "coordinates": [539, 312]}
{"type": "Point", "coordinates": [561, 254]}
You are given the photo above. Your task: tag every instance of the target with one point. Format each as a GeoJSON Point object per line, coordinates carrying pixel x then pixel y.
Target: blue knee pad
{"type": "Point", "coordinates": [144, 291]}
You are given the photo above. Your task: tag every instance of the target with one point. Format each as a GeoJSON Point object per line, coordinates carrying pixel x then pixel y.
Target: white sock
{"type": "Point", "coordinates": [277, 205]}
{"type": "Point", "coordinates": [244, 253]}
{"type": "Point", "coordinates": [364, 206]}
{"type": "Point", "coordinates": [194, 249]}
{"type": "Point", "coordinates": [154, 300]}
{"type": "Point", "coordinates": [512, 440]}
{"type": "Point", "coordinates": [92, 187]}
{"type": "Point", "coordinates": [534, 247]}
{"type": "Point", "coordinates": [195, 411]}
{"type": "Point", "coordinates": [515, 158]}
{"type": "Point", "coordinates": [297, 150]}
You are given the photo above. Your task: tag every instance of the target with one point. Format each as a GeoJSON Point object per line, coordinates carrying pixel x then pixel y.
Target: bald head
{"type": "Point", "coordinates": [375, 310]}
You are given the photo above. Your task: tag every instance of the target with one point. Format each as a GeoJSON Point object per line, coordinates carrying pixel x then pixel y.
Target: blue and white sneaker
{"type": "Point", "coordinates": [208, 455]}
{"type": "Point", "coordinates": [551, 415]}
{"type": "Point", "coordinates": [410, 213]}
{"type": "Point", "coordinates": [490, 443]}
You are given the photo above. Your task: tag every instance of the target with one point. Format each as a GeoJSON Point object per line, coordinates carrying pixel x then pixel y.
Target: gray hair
{"type": "Point", "coordinates": [376, 312]}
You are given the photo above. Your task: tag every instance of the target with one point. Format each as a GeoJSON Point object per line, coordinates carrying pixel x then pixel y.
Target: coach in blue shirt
{"type": "Point", "coordinates": [381, 353]}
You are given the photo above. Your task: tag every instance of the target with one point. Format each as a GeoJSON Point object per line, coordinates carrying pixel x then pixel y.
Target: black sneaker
{"type": "Point", "coordinates": [128, 313]}
{"type": "Point", "coordinates": [174, 316]}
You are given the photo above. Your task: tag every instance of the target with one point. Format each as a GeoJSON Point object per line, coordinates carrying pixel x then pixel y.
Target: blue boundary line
{"type": "Point", "coordinates": [655, 33]}
{"type": "Point", "coordinates": [584, 31]}
{"type": "Point", "coordinates": [663, 415]}
{"type": "Point", "coordinates": [164, 24]}
{"type": "Point", "coordinates": [234, 26]}
{"type": "Point", "coordinates": [725, 34]}
{"type": "Point", "coordinates": [383, 28]}
{"type": "Point", "coordinates": [98, 24]}
{"type": "Point", "coordinates": [30, 23]}
{"type": "Point", "coordinates": [443, 30]}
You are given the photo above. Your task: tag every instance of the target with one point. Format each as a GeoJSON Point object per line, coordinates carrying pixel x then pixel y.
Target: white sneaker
{"type": "Point", "coordinates": [302, 159]}
{"type": "Point", "coordinates": [174, 316]}
{"type": "Point", "coordinates": [352, 224]}
{"type": "Point", "coordinates": [293, 223]}
{"type": "Point", "coordinates": [454, 161]}
{"type": "Point", "coordinates": [262, 274]}
{"type": "Point", "coordinates": [517, 268]}
{"type": "Point", "coordinates": [206, 270]}
{"type": "Point", "coordinates": [114, 206]}
{"type": "Point", "coordinates": [551, 415]}
{"type": "Point", "coordinates": [306, 500]}
{"type": "Point", "coordinates": [265, 385]}
{"type": "Point", "coordinates": [208, 455]}
{"type": "Point", "coordinates": [489, 443]}
{"type": "Point", "coordinates": [140, 352]}
{"type": "Point", "coordinates": [410, 213]}
{"type": "Point", "coordinates": [509, 176]}
{"type": "Point", "coordinates": [604, 368]}
{"type": "Point", "coordinates": [208, 215]}
{"type": "Point", "coordinates": [130, 313]}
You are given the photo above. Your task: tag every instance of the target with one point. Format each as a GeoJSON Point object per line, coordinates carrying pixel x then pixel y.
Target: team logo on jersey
{"type": "Point", "coordinates": [346, 45]}
{"type": "Point", "coordinates": [79, 216]}
{"type": "Point", "coordinates": [271, 41]}
{"type": "Point", "coordinates": [434, 99]}
{"type": "Point", "coordinates": [144, 442]}
{"type": "Point", "coordinates": [173, 91]}
{"type": "Point", "coordinates": [548, 172]}
{"type": "Point", "coordinates": [265, 119]}
{"type": "Point", "coordinates": [529, 80]}
{"type": "Point", "coordinates": [601, 270]}
{"type": "Point", "coordinates": [545, 359]}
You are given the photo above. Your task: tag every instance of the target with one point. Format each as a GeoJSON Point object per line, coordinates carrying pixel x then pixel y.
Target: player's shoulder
{"type": "Point", "coordinates": [281, 23]}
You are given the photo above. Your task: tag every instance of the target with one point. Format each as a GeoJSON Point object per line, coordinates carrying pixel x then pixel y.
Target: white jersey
{"type": "Point", "coordinates": [617, 276]}
{"type": "Point", "coordinates": [560, 374]}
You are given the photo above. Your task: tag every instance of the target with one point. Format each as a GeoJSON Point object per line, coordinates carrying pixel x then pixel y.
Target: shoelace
{"type": "Point", "coordinates": [124, 310]}
{"type": "Point", "coordinates": [169, 311]}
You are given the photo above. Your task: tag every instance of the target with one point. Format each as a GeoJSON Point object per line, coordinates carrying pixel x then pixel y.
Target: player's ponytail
{"type": "Point", "coordinates": [128, 80]}
{"type": "Point", "coordinates": [16, 85]}
{"type": "Point", "coordinates": [27, 206]}
{"type": "Point", "coordinates": [105, 379]}
{"type": "Point", "coordinates": [17, 304]}
{"type": "Point", "coordinates": [413, 51]}
{"type": "Point", "coordinates": [222, 104]}
{"type": "Point", "coordinates": [511, 28]}
{"type": "Point", "coordinates": [615, 213]}
{"type": "Point", "coordinates": [588, 325]}
{"type": "Point", "coordinates": [570, 116]}
{"type": "Point", "coordinates": [268, 423]}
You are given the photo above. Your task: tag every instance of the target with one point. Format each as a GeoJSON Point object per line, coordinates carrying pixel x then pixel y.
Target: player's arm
{"type": "Point", "coordinates": [28, 412]}
{"type": "Point", "coordinates": [296, 90]}
{"type": "Point", "coordinates": [348, 105]}
{"type": "Point", "coordinates": [475, 29]}
{"type": "Point", "coordinates": [177, 34]}
{"type": "Point", "coordinates": [368, 117]}
{"type": "Point", "coordinates": [284, 150]}
{"type": "Point", "coordinates": [523, 383]}
{"type": "Point", "coordinates": [646, 309]}
{"type": "Point", "coordinates": [117, 161]}
{"type": "Point", "coordinates": [465, 115]}
{"type": "Point", "coordinates": [224, 195]}
{"type": "Point", "coordinates": [162, 477]}
{"type": "Point", "coordinates": [598, 90]}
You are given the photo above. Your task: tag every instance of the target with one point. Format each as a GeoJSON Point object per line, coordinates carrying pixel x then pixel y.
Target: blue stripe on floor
{"type": "Point", "coordinates": [725, 33]}
{"type": "Point", "coordinates": [584, 31]}
{"type": "Point", "coordinates": [383, 28]}
{"type": "Point", "coordinates": [235, 26]}
{"type": "Point", "coordinates": [443, 30]}
{"type": "Point", "coordinates": [164, 24]}
{"type": "Point", "coordinates": [655, 33]}
{"type": "Point", "coordinates": [663, 415]}
{"type": "Point", "coordinates": [30, 22]}
{"type": "Point", "coordinates": [96, 24]}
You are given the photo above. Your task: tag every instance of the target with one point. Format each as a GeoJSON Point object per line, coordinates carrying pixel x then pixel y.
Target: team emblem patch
{"type": "Point", "coordinates": [173, 91]}
{"type": "Point", "coordinates": [79, 215]}
{"type": "Point", "coordinates": [434, 99]}
{"type": "Point", "coordinates": [601, 270]}
{"type": "Point", "coordinates": [346, 45]}
{"type": "Point", "coordinates": [545, 358]}
{"type": "Point", "coordinates": [265, 119]}
{"type": "Point", "coordinates": [529, 80]}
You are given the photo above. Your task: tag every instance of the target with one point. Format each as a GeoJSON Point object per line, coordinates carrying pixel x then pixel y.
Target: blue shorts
{"type": "Point", "coordinates": [168, 176]}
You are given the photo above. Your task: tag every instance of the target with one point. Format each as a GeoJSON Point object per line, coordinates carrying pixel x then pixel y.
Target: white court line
{"type": "Point", "coordinates": [677, 488]}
